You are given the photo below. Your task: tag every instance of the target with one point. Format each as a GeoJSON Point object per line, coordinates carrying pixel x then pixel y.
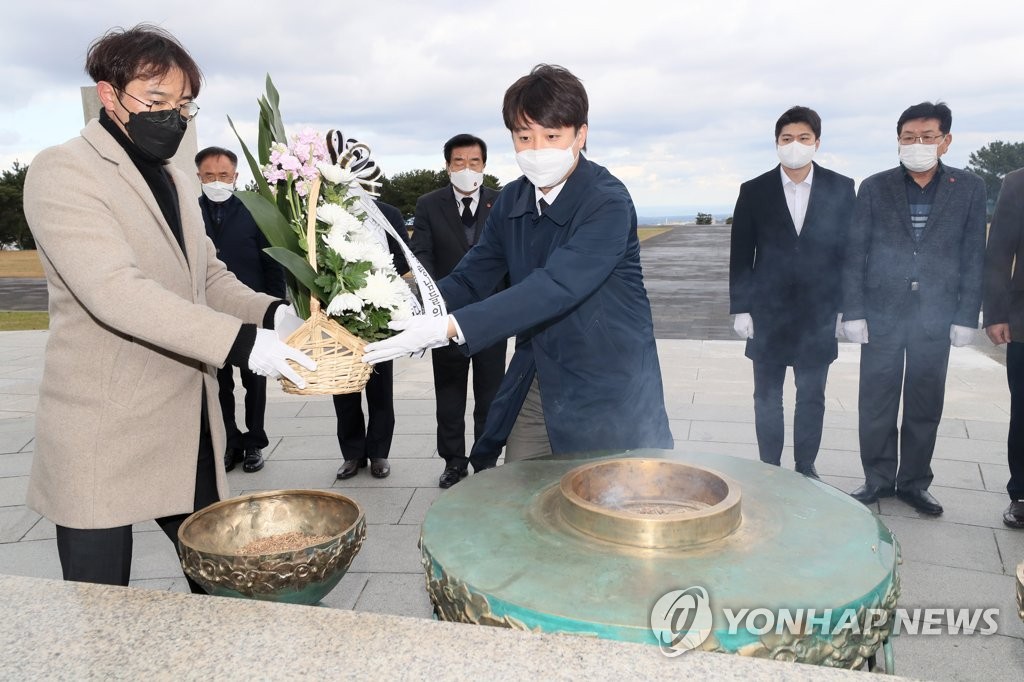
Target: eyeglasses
{"type": "Point", "coordinates": [187, 111]}
{"type": "Point", "coordinates": [925, 139]}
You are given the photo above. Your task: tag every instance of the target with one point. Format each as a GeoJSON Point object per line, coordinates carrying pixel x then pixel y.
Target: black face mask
{"type": "Point", "coordinates": [157, 133]}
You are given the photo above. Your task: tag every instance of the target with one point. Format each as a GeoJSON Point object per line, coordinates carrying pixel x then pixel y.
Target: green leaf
{"type": "Point", "coordinates": [257, 174]}
{"type": "Point", "coordinates": [276, 124]}
{"type": "Point", "coordinates": [272, 224]}
{"type": "Point", "coordinates": [296, 265]}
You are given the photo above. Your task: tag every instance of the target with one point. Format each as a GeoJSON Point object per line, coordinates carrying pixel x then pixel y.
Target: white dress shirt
{"type": "Point", "coordinates": [797, 196]}
{"type": "Point", "coordinates": [459, 196]}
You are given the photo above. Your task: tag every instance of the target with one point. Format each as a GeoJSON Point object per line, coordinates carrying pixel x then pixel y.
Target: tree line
{"type": "Point", "coordinates": [992, 162]}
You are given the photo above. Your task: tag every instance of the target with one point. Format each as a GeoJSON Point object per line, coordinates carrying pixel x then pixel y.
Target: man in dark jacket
{"type": "Point", "coordinates": [788, 234]}
{"type": "Point", "coordinates": [448, 223]}
{"type": "Point", "coordinates": [1004, 323]}
{"type": "Point", "coordinates": [585, 374]}
{"type": "Point", "coordinates": [240, 246]}
{"type": "Point", "coordinates": [367, 439]}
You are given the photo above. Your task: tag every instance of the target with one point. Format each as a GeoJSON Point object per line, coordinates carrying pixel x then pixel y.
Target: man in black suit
{"type": "Point", "coordinates": [788, 234]}
{"type": "Point", "coordinates": [912, 285]}
{"type": "Point", "coordinates": [1004, 323]}
{"type": "Point", "coordinates": [369, 441]}
{"type": "Point", "coordinates": [447, 224]}
{"type": "Point", "coordinates": [240, 245]}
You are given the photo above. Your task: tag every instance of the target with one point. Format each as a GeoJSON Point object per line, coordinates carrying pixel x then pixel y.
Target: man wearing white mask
{"type": "Point", "coordinates": [912, 285]}
{"type": "Point", "coordinates": [585, 375]}
{"type": "Point", "coordinates": [240, 245]}
{"type": "Point", "coordinates": [448, 223]}
{"type": "Point", "coordinates": [788, 235]}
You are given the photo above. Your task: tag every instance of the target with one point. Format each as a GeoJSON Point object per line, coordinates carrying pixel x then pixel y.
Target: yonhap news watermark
{"type": "Point", "coordinates": [682, 620]}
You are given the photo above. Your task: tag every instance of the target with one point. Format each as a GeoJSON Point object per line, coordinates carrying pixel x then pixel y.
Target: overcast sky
{"type": "Point", "coordinates": [683, 95]}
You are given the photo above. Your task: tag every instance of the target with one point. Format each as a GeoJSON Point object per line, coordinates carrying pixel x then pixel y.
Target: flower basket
{"type": "Point", "coordinates": [337, 352]}
{"type": "Point", "coordinates": [313, 201]}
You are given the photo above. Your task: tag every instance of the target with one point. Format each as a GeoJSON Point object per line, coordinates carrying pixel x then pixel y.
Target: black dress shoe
{"type": "Point", "coordinates": [232, 457]}
{"type": "Point", "coordinates": [921, 500]}
{"type": "Point", "coordinates": [1014, 514]}
{"type": "Point", "coordinates": [380, 468]}
{"type": "Point", "coordinates": [869, 494]}
{"type": "Point", "coordinates": [452, 475]}
{"type": "Point", "coordinates": [350, 468]}
{"type": "Point", "coordinates": [252, 461]}
{"type": "Point", "coordinates": [808, 470]}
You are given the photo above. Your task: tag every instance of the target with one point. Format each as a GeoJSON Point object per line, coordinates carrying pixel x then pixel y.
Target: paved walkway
{"type": "Point", "coordinates": [964, 558]}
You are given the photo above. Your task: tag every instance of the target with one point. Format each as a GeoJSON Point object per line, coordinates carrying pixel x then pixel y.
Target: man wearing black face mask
{"type": "Point", "coordinates": [142, 313]}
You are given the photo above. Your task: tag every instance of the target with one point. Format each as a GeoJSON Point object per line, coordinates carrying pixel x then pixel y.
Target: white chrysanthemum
{"type": "Point", "coordinates": [379, 257]}
{"type": "Point", "coordinates": [346, 302]}
{"type": "Point", "coordinates": [402, 311]}
{"type": "Point", "coordinates": [335, 174]}
{"type": "Point", "coordinates": [380, 291]}
{"type": "Point", "coordinates": [330, 213]}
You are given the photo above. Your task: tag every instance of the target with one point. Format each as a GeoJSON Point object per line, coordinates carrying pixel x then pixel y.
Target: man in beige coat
{"type": "Point", "coordinates": [141, 316]}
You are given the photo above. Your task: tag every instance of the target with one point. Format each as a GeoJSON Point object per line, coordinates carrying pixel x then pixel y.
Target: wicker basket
{"type": "Point", "coordinates": [338, 353]}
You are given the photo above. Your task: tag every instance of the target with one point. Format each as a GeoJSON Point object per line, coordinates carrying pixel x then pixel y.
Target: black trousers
{"type": "Point", "coordinates": [104, 555]}
{"type": "Point", "coordinates": [255, 386]}
{"type": "Point", "coordinates": [372, 439]}
{"type": "Point", "coordinates": [451, 377]}
{"type": "Point", "coordinates": [1015, 439]}
{"type": "Point", "coordinates": [901, 358]}
{"type": "Point", "coordinates": [807, 420]}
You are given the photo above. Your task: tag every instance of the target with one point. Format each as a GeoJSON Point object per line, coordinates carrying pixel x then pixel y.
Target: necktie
{"type": "Point", "coordinates": [543, 206]}
{"type": "Point", "coordinates": [468, 220]}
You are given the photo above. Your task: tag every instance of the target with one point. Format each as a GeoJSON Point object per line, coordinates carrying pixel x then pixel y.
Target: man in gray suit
{"type": "Point", "coordinates": [1004, 323]}
{"type": "Point", "coordinates": [912, 279]}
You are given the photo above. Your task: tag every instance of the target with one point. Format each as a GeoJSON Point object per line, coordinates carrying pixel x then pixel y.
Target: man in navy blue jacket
{"type": "Point", "coordinates": [585, 374]}
{"type": "Point", "coordinates": [240, 246]}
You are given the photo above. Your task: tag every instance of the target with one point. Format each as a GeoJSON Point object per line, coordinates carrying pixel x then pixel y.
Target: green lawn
{"type": "Point", "coordinates": [16, 320]}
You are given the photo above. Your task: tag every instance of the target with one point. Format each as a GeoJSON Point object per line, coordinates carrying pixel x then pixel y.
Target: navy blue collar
{"type": "Point", "coordinates": [569, 198]}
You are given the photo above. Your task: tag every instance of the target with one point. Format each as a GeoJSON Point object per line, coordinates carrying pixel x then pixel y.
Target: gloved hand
{"type": "Point", "coordinates": [269, 354]}
{"type": "Point", "coordinates": [286, 321]}
{"type": "Point", "coordinates": [856, 330]}
{"type": "Point", "coordinates": [743, 325]}
{"type": "Point", "coordinates": [960, 336]}
{"type": "Point", "coordinates": [419, 333]}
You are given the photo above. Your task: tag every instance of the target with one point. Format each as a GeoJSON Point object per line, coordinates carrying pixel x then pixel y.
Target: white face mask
{"type": "Point", "coordinates": [919, 157]}
{"type": "Point", "coordinates": [218, 191]}
{"type": "Point", "coordinates": [795, 154]}
{"type": "Point", "coordinates": [546, 167]}
{"type": "Point", "coordinates": [467, 180]}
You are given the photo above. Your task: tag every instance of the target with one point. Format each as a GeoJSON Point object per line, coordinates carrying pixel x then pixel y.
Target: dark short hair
{"type": "Point", "coordinates": [209, 152]}
{"type": "Point", "coordinates": [799, 114]}
{"type": "Point", "coordinates": [937, 110]}
{"type": "Point", "coordinates": [145, 51]}
{"type": "Point", "coordinates": [550, 96]}
{"type": "Point", "coordinates": [464, 140]}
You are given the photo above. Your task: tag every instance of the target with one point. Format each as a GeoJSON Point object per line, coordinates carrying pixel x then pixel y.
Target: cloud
{"type": "Point", "coordinates": [684, 96]}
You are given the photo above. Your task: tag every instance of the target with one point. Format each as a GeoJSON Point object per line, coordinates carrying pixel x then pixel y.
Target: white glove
{"type": "Point", "coordinates": [743, 324]}
{"type": "Point", "coordinates": [419, 333]}
{"type": "Point", "coordinates": [856, 330]}
{"type": "Point", "coordinates": [269, 355]}
{"type": "Point", "coordinates": [960, 336]}
{"type": "Point", "coordinates": [286, 321]}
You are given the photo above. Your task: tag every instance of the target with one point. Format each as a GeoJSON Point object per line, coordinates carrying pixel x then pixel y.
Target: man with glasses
{"type": "Point", "coordinates": [141, 314]}
{"type": "Point", "coordinates": [447, 224]}
{"type": "Point", "coordinates": [912, 285]}
{"type": "Point", "coordinates": [239, 243]}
